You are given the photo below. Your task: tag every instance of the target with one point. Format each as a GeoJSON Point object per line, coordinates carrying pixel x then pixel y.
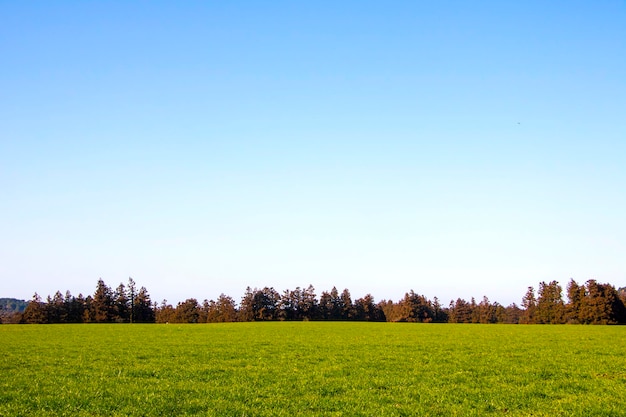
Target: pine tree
{"type": "Point", "coordinates": [132, 293]}
{"type": "Point", "coordinates": [347, 308]}
{"type": "Point", "coordinates": [550, 308]}
{"type": "Point", "coordinates": [529, 304]}
{"type": "Point", "coordinates": [121, 304]}
{"type": "Point", "coordinates": [188, 311]}
{"type": "Point", "coordinates": [142, 307]}
{"type": "Point", "coordinates": [102, 305]}
{"type": "Point", "coordinates": [602, 305]}
{"type": "Point", "coordinates": [575, 295]}
{"type": "Point", "coordinates": [460, 311]}
{"type": "Point", "coordinates": [35, 311]}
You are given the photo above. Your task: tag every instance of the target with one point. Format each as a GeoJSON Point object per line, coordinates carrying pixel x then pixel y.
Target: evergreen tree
{"type": "Point", "coordinates": [441, 315]}
{"type": "Point", "coordinates": [132, 293]}
{"type": "Point", "coordinates": [325, 306]}
{"type": "Point", "coordinates": [73, 308]}
{"type": "Point", "coordinates": [602, 305]}
{"type": "Point", "coordinates": [347, 308]}
{"type": "Point", "coordinates": [486, 311]}
{"type": "Point", "coordinates": [308, 304]}
{"type": "Point", "coordinates": [460, 311]}
{"type": "Point", "coordinates": [576, 296]}
{"type": "Point", "coordinates": [529, 304]}
{"type": "Point", "coordinates": [550, 308]}
{"type": "Point", "coordinates": [103, 304]}
{"type": "Point", "coordinates": [55, 308]}
{"type": "Point", "coordinates": [289, 305]}
{"type": "Point", "coordinates": [226, 309]}
{"type": "Point", "coordinates": [121, 304]}
{"type": "Point", "coordinates": [246, 310]}
{"type": "Point", "coordinates": [367, 310]}
{"type": "Point", "coordinates": [513, 314]}
{"type": "Point", "coordinates": [142, 311]}
{"type": "Point", "coordinates": [187, 312]}
{"type": "Point", "coordinates": [414, 308]}
{"type": "Point", "coordinates": [35, 311]}
{"type": "Point", "coordinates": [165, 313]}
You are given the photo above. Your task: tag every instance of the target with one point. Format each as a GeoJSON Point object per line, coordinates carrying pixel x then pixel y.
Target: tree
{"type": "Point", "coordinates": [487, 312]}
{"type": "Point", "coordinates": [74, 307]}
{"type": "Point", "coordinates": [347, 308]}
{"type": "Point", "coordinates": [88, 311]}
{"type": "Point", "coordinates": [35, 311]}
{"type": "Point", "coordinates": [55, 309]}
{"type": "Point", "coordinates": [265, 304]}
{"type": "Point", "coordinates": [325, 306]}
{"type": "Point", "coordinates": [367, 310]}
{"type": "Point", "coordinates": [132, 293]}
{"type": "Point", "coordinates": [121, 304]}
{"type": "Point", "coordinates": [246, 310]}
{"type": "Point", "coordinates": [460, 311]}
{"type": "Point", "coordinates": [529, 304]}
{"type": "Point", "coordinates": [513, 314]}
{"type": "Point", "coordinates": [142, 311]}
{"type": "Point", "coordinates": [550, 308]}
{"type": "Point", "coordinates": [308, 305]}
{"type": "Point", "coordinates": [289, 305]}
{"type": "Point", "coordinates": [441, 315]}
{"type": "Point", "coordinates": [602, 305]}
{"type": "Point", "coordinates": [576, 296]}
{"type": "Point", "coordinates": [102, 305]}
{"type": "Point", "coordinates": [187, 312]}
{"type": "Point", "coordinates": [223, 310]}
{"type": "Point", "coordinates": [414, 308]}
{"type": "Point", "coordinates": [226, 310]}
{"type": "Point", "coordinates": [165, 313]}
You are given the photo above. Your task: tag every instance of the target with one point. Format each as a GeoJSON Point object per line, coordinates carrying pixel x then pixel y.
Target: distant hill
{"type": "Point", "coordinates": [12, 305]}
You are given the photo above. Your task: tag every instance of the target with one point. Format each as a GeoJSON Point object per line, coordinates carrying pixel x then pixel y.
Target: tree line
{"type": "Point", "coordinates": [589, 303]}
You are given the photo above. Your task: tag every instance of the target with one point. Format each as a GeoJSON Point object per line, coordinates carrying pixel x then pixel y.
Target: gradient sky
{"type": "Point", "coordinates": [454, 148]}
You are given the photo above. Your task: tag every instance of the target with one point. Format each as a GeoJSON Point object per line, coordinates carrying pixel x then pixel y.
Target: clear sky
{"type": "Point", "coordinates": [456, 148]}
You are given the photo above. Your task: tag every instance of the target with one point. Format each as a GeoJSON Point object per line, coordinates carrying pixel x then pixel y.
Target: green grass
{"type": "Point", "coordinates": [312, 369]}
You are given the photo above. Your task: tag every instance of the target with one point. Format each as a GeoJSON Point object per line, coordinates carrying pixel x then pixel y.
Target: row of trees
{"type": "Point", "coordinates": [590, 303]}
{"type": "Point", "coordinates": [267, 304]}
{"type": "Point", "coordinates": [125, 304]}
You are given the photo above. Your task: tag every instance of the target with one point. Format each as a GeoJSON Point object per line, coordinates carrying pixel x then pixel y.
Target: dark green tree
{"type": "Point", "coordinates": [289, 305]}
{"type": "Point", "coordinates": [347, 308]}
{"type": "Point", "coordinates": [142, 311]}
{"type": "Point", "coordinates": [367, 310]}
{"type": "Point", "coordinates": [121, 304]}
{"type": "Point", "coordinates": [74, 307]}
{"type": "Point", "coordinates": [325, 306]}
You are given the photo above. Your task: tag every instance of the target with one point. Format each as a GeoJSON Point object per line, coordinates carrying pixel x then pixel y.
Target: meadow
{"type": "Point", "coordinates": [312, 369]}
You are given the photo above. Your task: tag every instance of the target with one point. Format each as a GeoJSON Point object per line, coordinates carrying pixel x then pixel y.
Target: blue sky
{"type": "Point", "coordinates": [454, 148]}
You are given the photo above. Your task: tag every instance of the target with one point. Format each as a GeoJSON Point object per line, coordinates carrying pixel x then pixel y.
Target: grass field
{"type": "Point", "coordinates": [311, 369]}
